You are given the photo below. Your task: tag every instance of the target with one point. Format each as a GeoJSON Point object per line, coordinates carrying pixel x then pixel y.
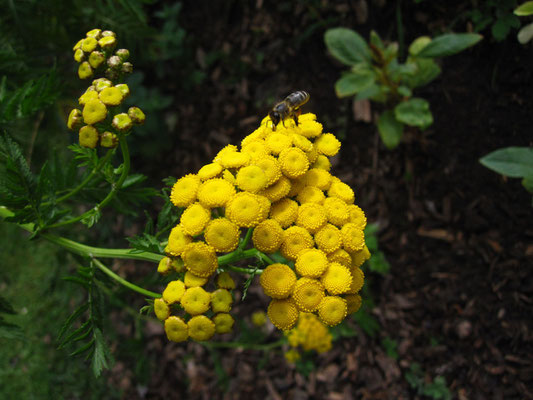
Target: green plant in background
{"type": "Point", "coordinates": [514, 162]}
{"type": "Point", "coordinates": [377, 74]}
{"type": "Point", "coordinates": [496, 14]}
{"type": "Point", "coordinates": [525, 34]}
{"type": "Point", "coordinates": [437, 389]}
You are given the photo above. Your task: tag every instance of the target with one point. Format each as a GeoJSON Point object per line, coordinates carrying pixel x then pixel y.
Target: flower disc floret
{"type": "Point", "coordinates": [215, 192]}
{"type": "Point", "coordinates": [245, 209]}
{"type": "Point", "coordinates": [111, 96]}
{"type": "Point", "coordinates": [342, 191]}
{"type": "Point", "coordinates": [251, 179]}
{"type": "Point", "coordinates": [318, 177]}
{"type": "Point", "coordinates": [277, 142]}
{"type": "Point", "coordinates": [285, 212]}
{"type": "Point", "coordinates": [328, 238]}
{"type": "Point", "coordinates": [294, 162]}
{"type": "Point", "coordinates": [176, 329]}
{"type": "Point", "coordinates": [256, 148]}
{"type": "Point", "coordinates": [341, 256]}
{"type": "Point", "coordinates": [311, 263]}
{"type": "Point", "coordinates": [161, 309]}
{"type": "Point", "coordinates": [191, 280]}
{"type": "Point", "coordinates": [174, 291]}
{"type": "Point", "coordinates": [194, 219]}
{"type": "Point", "coordinates": [200, 259]}
{"type": "Point", "coordinates": [327, 144]}
{"type": "Point", "coordinates": [267, 236]}
{"type": "Point", "coordinates": [195, 300]}
{"type": "Point", "coordinates": [277, 281]}
{"type": "Point", "coordinates": [221, 301]}
{"type": "Point", "coordinates": [283, 313]}
{"type": "Point", "coordinates": [309, 128]}
{"type": "Point", "coordinates": [185, 190]}
{"type": "Point", "coordinates": [332, 310]}
{"type": "Point", "coordinates": [88, 136]}
{"type": "Point", "coordinates": [270, 167]}
{"type": "Point", "coordinates": [223, 323]}
{"type": "Point", "coordinates": [308, 293]}
{"type": "Point", "coordinates": [222, 234]}
{"type": "Point", "coordinates": [295, 240]}
{"type": "Point", "coordinates": [336, 211]}
{"type": "Point", "coordinates": [278, 190]}
{"type": "Point", "coordinates": [201, 328]}
{"type": "Point", "coordinates": [337, 278]}
{"type": "Point", "coordinates": [311, 216]}
{"type": "Point", "coordinates": [94, 111]}
{"type": "Point", "coordinates": [311, 194]}
{"type": "Point", "coordinates": [353, 237]}
{"type": "Point", "coordinates": [209, 171]}
{"type": "Point", "coordinates": [177, 241]}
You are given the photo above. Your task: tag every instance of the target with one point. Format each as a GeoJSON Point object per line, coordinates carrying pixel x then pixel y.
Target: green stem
{"type": "Point", "coordinates": [240, 270]}
{"type": "Point", "coordinates": [246, 239]}
{"type": "Point", "coordinates": [123, 281]}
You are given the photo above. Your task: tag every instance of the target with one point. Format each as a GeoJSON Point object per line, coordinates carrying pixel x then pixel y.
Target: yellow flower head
{"type": "Point", "coordinates": [265, 207]}
{"type": "Point", "coordinates": [311, 194]}
{"type": "Point", "coordinates": [258, 318]}
{"type": "Point", "coordinates": [285, 212]}
{"type": "Point", "coordinates": [256, 148]}
{"type": "Point", "coordinates": [201, 328]}
{"type": "Point", "coordinates": [161, 309]}
{"type": "Point", "coordinates": [337, 278]}
{"type": "Point", "coordinates": [107, 42]}
{"type": "Point", "coordinates": [296, 186]}
{"type": "Point", "coordinates": [185, 190]}
{"type": "Point", "coordinates": [75, 119]}
{"type": "Point", "coordinates": [312, 155]}
{"type": "Point", "coordinates": [342, 191]}
{"type": "Point", "coordinates": [278, 190]}
{"type": "Point", "coordinates": [359, 257]}
{"type": "Point", "coordinates": [259, 133]}
{"type": "Point", "coordinates": [295, 240]}
{"type": "Point", "coordinates": [122, 122]}
{"type": "Point", "coordinates": [222, 234]}
{"type": "Point", "coordinates": [283, 313]}
{"type": "Point", "coordinates": [101, 84]}
{"type": "Point", "coordinates": [173, 292]}
{"type": "Point", "coordinates": [328, 239]}
{"type": "Point", "coordinates": [322, 162]}
{"type": "Point", "coordinates": [332, 310]}
{"type": "Point", "coordinates": [336, 211]}
{"type": "Point", "coordinates": [353, 303]}
{"type": "Point", "coordinates": [277, 142]}
{"type": "Point", "coordinates": [94, 111]}
{"type": "Point", "coordinates": [311, 216]}
{"type": "Point", "coordinates": [225, 281]}
{"type": "Point", "coordinates": [176, 329]}
{"type": "Point", "coordinates": [233, 159]}
{"type": "Point", "coordinates": [228, 176]}
{"type": "Point", "coordinates": [308, 293]}
{"type": "Point", "coordinates": [358, 280]}
{"type": "Point", "coordinates": [85, 71]}
{"type": "Point", "coordinates": [165, 266]}
{"type": "Point", "coordinates": [108, 139]}
{"type": "Point", "coordinates": [194, 219]}
{"type": "Point", "coordinates": [195, 300]}
{"type": "Point", "coordinates": [310, 333]}
{"type": "Point", "coordinates": [223, 323]}
{"type": "Point", "coordinates": [135, 113]}
{"type": "Point", "coordinates": [270, 167]}
{"type": "Point", "coordinates": [90, 94]}
{"type": "Point", "coordinates": [327, 144]}
{"type": "Point", "coordinates": [353, 237]}
{"type": "Point", "coordinates": [357, 216]}
{"type": "Point", "coordinates": [341, 256]}
{"type": "Point", "coordinates": [95, 33]}
{"type": "Point", "coordinates": [215, 192]}
{"type": "Point", "coordinates": [96, 58]}
{"type": "Point", "coordinates": [124, 89]}
{"type": "Point", "coordinates": [200, 259]}
{"type": "Point", "coordinates": [294, 162]}
{"type": "Point", "coordinates": [221, 301]}
{"type": "Point", "coordinates": [88, 136]}
{"type": "Point", "coordinates": [251, 179]}
{"type": "Point", "coordinates": [111, 96]}
{"type": "Point", "coordinates": [309, 128]}
{"type": "Point", "coordinates": [318, 177]}
{"type": "Point", "coordinates": [301, 142]}
{"type": "Point", "coordinates": [292, 355]}
{"type": "Point", "coordinates": [245, 209]}
{"type": "Point", "coordinates": [191, 280]}
{"type": "Point", "coordinates": [267, 236]}
{"type": "Point", "coordinates": [209, 171]}
{"type": "Point", "coordinates": [311, 263]}
{"type": "Point", "coordinates": [89, 44]}
{"type": "Point", "coordinates": [177, 241]}
{"type": "Point", "coordinates": [277, 281]}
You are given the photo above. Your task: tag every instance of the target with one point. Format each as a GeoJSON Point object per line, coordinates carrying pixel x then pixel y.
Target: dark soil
{"type": "Point", "coordinates": [458, 237]}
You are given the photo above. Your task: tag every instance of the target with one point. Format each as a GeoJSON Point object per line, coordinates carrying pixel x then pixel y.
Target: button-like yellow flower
{"type": "Point", "coordinates": [245, 209]}
{"type": "Point", "coordinates": [267, 236]}
{"type": "Point", "coordinates": [108, 42]}
{"type": "Point", "coordinates": [194, 219]}
{"type": "Point", "coordinates": [342, 191]}
{"type": "Point", "coordinates": [294, 162]}
{"type": "Point", "coordinates": [161, 309]}
{"type": "Point", "coordinates": [89, 44]}
{"type": "Point", "coordinates": [309, 128]}
{"type": "Point", "coordinates": [195, 300]}
{"type": "Point", "coordinates": [258, 318]}
{"type": "Point", "coordinates": [285, 212]}
{"type": "Point", "coordinates": [177, 241]}
{"type": "Point", "coordinates": [176, 329]}
{"type": "Point", "coordinates": [222, 234]}
{"type": "Point", "coordinates": [94, 111]}
{"type": "Point", "coordinates": [270, 167]}
{"type": "Point", "coordinates": [256, 148]}
{"type": "Point", "coordinates": [109, 140]}
{"type": "Point", "coordinates": [201, 328]}
{"type": "Point", "coordinates": [223, 323]}
{"type": "Point", "coordinates": [322, 162]}
{"type": "Point", "coordinates": [184, 190]}
{"type": "Point", "coordinates": [341, 256]}
{"type": "Point", "coordinates": [311, 194]}
{"type": "Point", "coordinates": [278, 190]}
{"type": "Point", "coordinates": [328, 144]}
{"type": "Point", "coordinates": [215, 192]}
{"type": "Point", "coordinates": [85, 71]}
{"type": "Point", "coordinates": [200, 259]}
{"type": "Point", "coordinates": [353, 237]}
{"type": "Point", "coordinates": [277, 142]}
{"type": "Point", "coordinates": [295, 240]}
{"type": "Point", "coordinates": [311, 216]}
{"type": "Point", "coordinates": [209, 171]}
{"type": "Point", "coordinates": [75, 119]}
{"type": "Point", "coordinates": [221, 301]}
{"type": "Point", "coordinates": [308, 293]}
{"type": "Point", "coordinates": [359, 257]}
{"type": "Point", "coordinates": [122, 122]}
{"type": "Point", "coordinates": [124, 89]}
{"type": "Point", "coordinates": [174, 292]}
{"type": "Point", "coordinates": [251, 179]}
{"type": "Point", "coordinates": [111, 96]}
{"type": "Point", "coordinates": [318, 177]}
{"type": "Point", "coordinates": [137, 115]}
{"type": "Point", "coordinates": [329, 239]}
{"type": "Point", "coordinates": [96, 58]}
{"type": "Point", "coordinates": [88, 136]}
{"type": "Point", "coordinates": [277, 281]}
{"type": "Point", "coordinates": [332, 310]}
{"type": "Point", "coordinates": [311, 263]}
{"type": "Point", "coordinates": [337, 278]}
{"type": "Point", "coordinates": [337, 211]}
{"type": "Point", "coordinates": [358, 280]}
{"type": "Point", "coordinates": [191, 280]}
{"type": "Point", "coordinates": [90, 94]}
{"type": "Point", "coordinates": [283, 313]}
{"type": "Point", "coordinates": [79, 55]}
{"type": "Point", "coordinates": [225, 281]}
{"type": "Point", "coordinates": [353, 303]}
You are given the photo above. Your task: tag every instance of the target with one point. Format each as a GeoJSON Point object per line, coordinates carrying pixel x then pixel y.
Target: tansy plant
{"type": "Point", "coordinates": [376, 73]}
{"type": "Point", "coordinates": [270, 208]}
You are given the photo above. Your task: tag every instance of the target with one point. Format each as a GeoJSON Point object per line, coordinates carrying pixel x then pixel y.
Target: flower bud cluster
{"type": "Point", "coordinates": [279, 184]}
{"type": "Point", "coordinates": [309, 334]}
{"type": "Point", "coordinates": [99, 120]}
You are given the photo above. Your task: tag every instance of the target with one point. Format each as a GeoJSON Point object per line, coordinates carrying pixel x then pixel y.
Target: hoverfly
{"type": "Point", "coordinates": [290, 107]}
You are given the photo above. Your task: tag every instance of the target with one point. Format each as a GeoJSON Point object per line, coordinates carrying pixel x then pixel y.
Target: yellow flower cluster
{"type": "Point", "coordinates": [279, 184]}
{"type": "Point", "coordinates": [95, 55]}
{"type": "Point", "coordinates": [309, 334]}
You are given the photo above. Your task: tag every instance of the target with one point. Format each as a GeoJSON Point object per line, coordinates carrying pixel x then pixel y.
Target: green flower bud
{"type": "Point", "coordinates": [75, 119]}
{"type": "Point", "coordinates": [111, 96]}
{"type": "Point", "coordinates": [102, 83]}
{"type": "Point", "coordinates": [108, 139]}
{"type": "Point", "coordinates": [107, 42]}
{"type": "Point", "coordinates": [124, 89]}
{"type": "Point", "coordinates": [79, 55]}
{"type": "Point", "coordinates": [124, 54]}
{"type": "Point", "coordinates": [89, 44]}
{"type": "Point", "coordinates": [96, 58]}
{"type": "Point", "coordinates": [94, 33]}
{"type": "Point", "coordinates": [136, 115]}
{"type": "Point", "coordinates": [127, 68]}
{"type": "Point", "coordinates": [85, 71]}
{"type": "Point", "coordinates": [88, 136]}
{"type": "Point", "coordinates": [112, 74]}
{"type": "Point", "coordinates": [114, 62]}
{"type": "Point", "coordinates": [94, 111]}
{"type": "Point", "coordinates": [78, 45]}
{"type": "Point", "coordinates": [122, 122]}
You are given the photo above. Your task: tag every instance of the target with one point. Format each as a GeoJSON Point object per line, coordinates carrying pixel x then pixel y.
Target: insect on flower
{"type": "Point", "coordinates": [290, 107]}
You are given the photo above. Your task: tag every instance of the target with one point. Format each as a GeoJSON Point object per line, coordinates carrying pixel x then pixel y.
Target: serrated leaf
{"type": "Point", "coordinates": [347, 46]}
{"type": "Point", "coordinates": [75, 279]}
{"type": "Point", "coordinates": [85, 326]}
{"type": "Point", "coordinates": [10, 331]}
{"type": "Point", "coordinates": [414, 112]}
{"type": "Point", "coordinates": [74, 316]}
{"type": "Point", "coordinates": [91, 218]}
{"type": "Point", "coordinates": [86, 347]}
{"type": "Point", "coordinates": [390, 129]}
{"type": "Point", "coordinates": [448, 44]}
{"type": "Point", "coordinates": [101, 358]}
{"type": "Point", "coordinates": [6, 307]}
{"type": "Point", "coordinates": [515, 162]}
{"type": "Point", "coordinates": [524, 9]}
{"type": "Point", "coordinates": [354, 82]}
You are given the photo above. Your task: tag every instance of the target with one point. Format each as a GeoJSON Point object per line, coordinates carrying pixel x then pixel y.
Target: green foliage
{"type": "Point", "coordinates": [377, 262]}
{"type": "Point", "coordinates": [390, 347]}
{"type": "Point", "coordinates": [437, 389]}
{"type": "Point", "coordinates": [376, 73]}
{"type": "Point", "coordinates": [496, 15]}
{"type": "Point", "coordinates": [514, 162]}
{"type": "Point", "coordinates": [8, 330]}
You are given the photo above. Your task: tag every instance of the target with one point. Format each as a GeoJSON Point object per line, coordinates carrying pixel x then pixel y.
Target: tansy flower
{"type": "Point", "coordinates": [88, 136]}
{"type": "Point", "coordinates": [251, 179]}
{"type": "Point", "coordinates": [292, 355]}
{"type": "Point", "coordinates": [310, 333]}
{"type": "Point", "coordinates": [312, 155]}
{"type": "Point", "coordinates": [94, 111]}
{"type": "Point", "coordinates": [311, 216]}
{"type": "Point", "coordinates": [318, 177]}
{"type": "Point", "coordinates": [223, 323]}
{"type": "Point", "coordinates": [85, 71]}
{"type": "Point", "coordinates": [184, 190]}
{"type": "Point", "coordinates": [201, 328]}
{"type": "Point", "coordinates": [353, 238]}
{"type": "Point", "coordinates": [245, 209]}
{"type": "Point", "coordinates": [322, 162]}
{"type": "Point", "coordinates": [111, 96]}
{"type": "Point", "coordinates": [283, 313]}
{"type": "Point", "coordinates": [327, 144]}
{"type": "Point", "coordinates": [79, 56]}
{"type": "Point", "coordinates": [337, 278]}
{"type": "Point", "coordinates": [75, 119]}
{"type": "Point", "coordinates": [358, 280]}
{"type": "Point", "coordinates": [309, 128]}
{"type": "Point", "coordinates": [136, 114]}
{"type": "Point", "coordinates": [277, 142]}
{"type": "Point", "coordinates": [233, 159]}
{"type": "Point", "coordinates": [195, 300]}
{"type": "Point", "coordinates": [228, 176]}
{"type": "Point", "coordinates": [230, 148]}
{"type": "Point", "coordinates": [191, 280]}
{"type": "Point", "coordinates": [284, 212]}
{"type": "Point", "coordinates": [311, 263]}
{"type": "Point", "coordinates": [122, 122]}
{"type": "Point", "coordinates": [209, 171]}
{"type": "Point", "coordinates": [336, 211]}
{"type": "Point", "coordinates": [329, 239]}
{"type": "Point", "coordinates": [215, 192]}
{"type": "Point", "coordinates": [341, 256]}
{"type": "Point", "coordinates": [101, 84]}
{"type": "Point", "coordinates": [332, 310]}
{"type": "Point", "coordinates": [308, 293]}
{"type": "Point", "coordinates": [124, 89]}
{"type": "Point", "coordinates": [295, 240]}
{"type": "Point", "coordinates": [294, 162]}
{"type": "Point", "coordinates": [194, 219]}
{"type": "Point", "coordinates": [161, 309]}
{"type": "Point", "coordinates": [310, 194]}
{"type": "Point", "coordinates": [94, 33]}
{"type": "Point", "coordinates": [225, 281]}
{"type": "Point", "coordinates": [259, 133]}
{"type": "Point", "coordinates": [173, 292]}
{"type": "Point", "coordinates": [96, 58]}
{"type": "Point", "coordinates": [176, 329]}
{"type": "Point", "coordinates": [277, 280]}
{"type": "Point", "coordinates": [222, 234]}
{"type": "Point", "coordinates": [278, 190]}
{"type": "Point", "coordinates": [107, 42]}
{"type": "Point", "coordinates": [301, 142]}
{"type": "Point", "coordinates": [90, 94]}
{"type": "Point", "coordinates": [177, 241]}
{"type": "Point", "coordinates": [267, 236]}
{"type": "Point", "coordinates": [359, 257]}
{"type": "Point", "coordinates": [108, 139]}
{"type": "Point", "coordinates": [200, 259]}
{"type": "Point", "coordinates": [221, 301]}
{"type": "Point", "coordinates": [270, 167]}
{"type": "Point", "coordinates": [258, 318]}
{"type": "Point", "coordinates": [164, 266]}
{"type": "Point", "coordinates": [307, 117]}
{"type": "Point", "coordinates": [265, 207]}
{"type": "Point", "coordinates": [353, 303]}
{"type": "Point", "coordinates": [256, 148]}
{"type": "Point", "coordinates": [342, 191]}
{"type": "Point", "coordinates": [357, 216]}
{"type": "Point", "coordinates": [89, 44]}
{"type": "Point", "coordinates": [296, 186]}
